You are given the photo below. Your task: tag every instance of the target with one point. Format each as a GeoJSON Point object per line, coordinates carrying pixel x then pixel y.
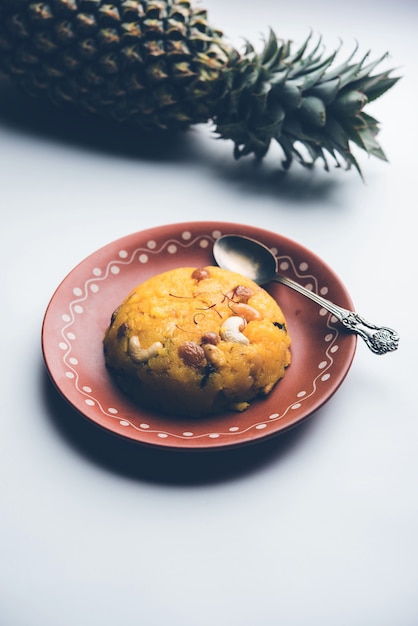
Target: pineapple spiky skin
{"type": "Point", "coordinates": [155, 63]}
{"type": "Point", "coordinates": [160, 65]}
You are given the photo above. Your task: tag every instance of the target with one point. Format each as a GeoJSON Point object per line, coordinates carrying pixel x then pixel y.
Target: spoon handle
{"type": "Point", "coordinates": [379, 339]}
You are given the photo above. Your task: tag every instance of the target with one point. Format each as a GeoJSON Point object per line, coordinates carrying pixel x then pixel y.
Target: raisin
{"type": "Point", "coordinates": [192, 354]}
{"type": "Point", "coordinates": [212, 338]}
{"type": "Point", "coordinates": [278, 325]}
{"type": "Point", "coordinates": [114, 314]}
{"type": "Point", "coordinates": [122, 330]}
{"type": "Point", "coordinates": [200, 273]}
{"type": "Point", "coordinates": [209, 369]}
{"type": "Point", "coordinates": [240, 293]}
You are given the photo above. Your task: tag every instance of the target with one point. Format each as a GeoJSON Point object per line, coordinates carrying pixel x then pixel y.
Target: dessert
{"type": "Point", "coordinates": [197, 341]}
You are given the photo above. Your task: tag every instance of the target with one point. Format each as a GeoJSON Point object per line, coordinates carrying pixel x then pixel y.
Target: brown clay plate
{"type": "Point", "coordinates": [80, 310]}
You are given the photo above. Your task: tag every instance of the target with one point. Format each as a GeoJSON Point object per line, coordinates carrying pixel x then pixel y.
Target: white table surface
{"type": "Point", "coordinates": [317, 528]}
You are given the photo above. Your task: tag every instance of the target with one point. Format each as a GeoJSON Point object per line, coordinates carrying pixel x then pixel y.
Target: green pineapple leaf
{"type": "Point", "coordinates": [311, 104]}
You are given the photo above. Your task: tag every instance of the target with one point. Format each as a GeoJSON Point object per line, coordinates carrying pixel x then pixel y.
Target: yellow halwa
{"type": "Point", "coordinates": [197, 341]}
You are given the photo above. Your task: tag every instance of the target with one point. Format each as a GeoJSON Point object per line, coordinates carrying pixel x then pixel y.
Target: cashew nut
{"type": "Point", "coordinates": [214, 355]}
{"type": "Point", "coordinates": [141, 355]}
{"type": "Point", "coordinates": [231, 330]}
{"type": "Point", "coordinates": [248, 312]}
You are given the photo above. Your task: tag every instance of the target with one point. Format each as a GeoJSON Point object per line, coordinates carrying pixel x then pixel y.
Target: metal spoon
{"type": "Point", "coordinates": [254, 260]}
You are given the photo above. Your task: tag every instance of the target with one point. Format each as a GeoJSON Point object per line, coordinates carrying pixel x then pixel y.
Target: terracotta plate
{"type": "Point", "coordinates": [80, 310]}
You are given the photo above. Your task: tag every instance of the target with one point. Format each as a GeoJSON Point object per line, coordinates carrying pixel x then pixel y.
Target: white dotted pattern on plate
{"type": "Point", "coordinates": [142, 255]}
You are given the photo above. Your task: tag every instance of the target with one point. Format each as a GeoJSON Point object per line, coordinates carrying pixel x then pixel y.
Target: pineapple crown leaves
{"type": "Point", "coordinates": [298, 99]}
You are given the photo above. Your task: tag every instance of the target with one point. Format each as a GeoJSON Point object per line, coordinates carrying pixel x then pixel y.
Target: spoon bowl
{"type": "Point", "coordinates": [247, 257]}
{"type": "Point", "coordinates": [256, 261]}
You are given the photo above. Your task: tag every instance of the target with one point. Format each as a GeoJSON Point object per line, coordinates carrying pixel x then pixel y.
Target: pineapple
{"type": "Point", "coordinates": [160, 65]}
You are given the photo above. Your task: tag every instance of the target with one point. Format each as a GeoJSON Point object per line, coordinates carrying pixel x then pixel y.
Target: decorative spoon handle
{"type": "Point", "coordinates": [379, 339]}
